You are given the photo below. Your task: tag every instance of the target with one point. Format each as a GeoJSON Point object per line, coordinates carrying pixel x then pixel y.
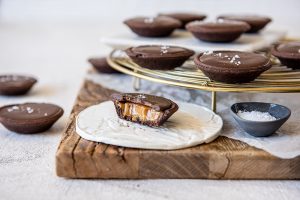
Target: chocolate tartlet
{"type": "Point", "coordinates": [288, 54]}
{"type": "Point", "coordinates": [256, 22]}
{"type": "Point", "coordinates": [159, 57]}
{"type": "Point", "coordinates": [30, 117]}
{"type": "Point", "coordinates": [219, 31]}
{"type": "Point", "coordinates": [143, 108]}
{"type": "Point", "coordinates": [101, 65]}
{"type": "Point", "coordinates": [184, 17]}
{"type": "Point", "coordinates": [15, 84]}
{"type": "Point", "coordinates": [153, 27]}
{"type": "Point", "coordinates": [232, 66]}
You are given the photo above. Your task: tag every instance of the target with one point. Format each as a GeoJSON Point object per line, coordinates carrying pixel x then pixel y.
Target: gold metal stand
{"type": "Point", "coordinates": [278, 79]}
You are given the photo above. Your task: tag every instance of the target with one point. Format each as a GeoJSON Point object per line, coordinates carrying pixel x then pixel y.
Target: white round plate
{"type": "Point", "coordinates": [189, 126]}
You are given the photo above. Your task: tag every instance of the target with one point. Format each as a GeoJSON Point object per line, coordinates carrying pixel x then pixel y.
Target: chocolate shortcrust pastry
{"type": "Point", "coordinates": [288, 53]}
{"type": "Point", "coordinates": [159, 57]}
{"type": "Point", "coordinates": [153, 26]}
{"type": "Point", "coordinates": [219, 31]}
{"type": "Point", "coordinates": [256, 22]}
{"type": "Point", "coordinates": [30, 117]}
{"type": "Point", "coordinates": [184, 17]}
{"type": "Point", "coordinates": [15, 84]}
{"type": "Point", "coordinates": [232, 66]}
{"type": "Point", "coordinates": [143, 108]}
{"type": "Point", "coordinates": [101, 65]}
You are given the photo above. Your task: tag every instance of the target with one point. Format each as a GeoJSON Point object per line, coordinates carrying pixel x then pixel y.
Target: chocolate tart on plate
{"type": "Point", "coordinates": [144, 109]}
{"type": "Point", "coordinates": [288, 53]}
{"type": "Point", "coordinates": [219, 31]}
{"type": "Point", "coordinates": [161, 26]}
{"type": "Point", "coordinates": [256, 22]}
{"type": "Point", "coordinates": [232, 66]}
{"type": "Point", "coordinates": [159, 57]}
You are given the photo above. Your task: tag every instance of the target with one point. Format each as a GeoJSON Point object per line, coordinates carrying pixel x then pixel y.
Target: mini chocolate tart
{"type": "Point", "coordinates": [256, 22]}
{"type": "Point", "coordinates": [159, 57]}
{"type": "Point", "coordinates": [15, 84]}
{"type": "Point", "coordinates": [143, 108]}
{"type": "Point", "coordinates": [101, 65]}
{"type": "Point", "coordinates": [30, 117]}
{"type": "Point", "coordinates": [153, 26]}
{"type": "Point", "coordinates": [184, 17]}
{"type": "Point", "coordinates": [232, 66]}
{"type": "Point", "coordinates": [219, 31]}
{"type": "Point", "coordinates": [288, 54]}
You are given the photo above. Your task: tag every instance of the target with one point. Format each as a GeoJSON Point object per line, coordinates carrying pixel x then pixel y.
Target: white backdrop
{"type": "Point", "coordinates": [285, 13]}
{"type": "Point", "coordinates": [51, 39]}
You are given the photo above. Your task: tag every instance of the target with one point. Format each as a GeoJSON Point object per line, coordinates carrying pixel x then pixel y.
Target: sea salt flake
{"type": "Point", "coordinates": [46, 114]}
{"type": "Point", "coordinates": [256, 116]}
{"type": "Point", "coordinates": [149, 20]}
{"type": "Point", "coordinates": [29, 110]}
{"type": "Point", "coordinates": [207, 52]}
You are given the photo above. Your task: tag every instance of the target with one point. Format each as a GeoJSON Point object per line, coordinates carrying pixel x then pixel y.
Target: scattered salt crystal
{"type": "Point", "coordinates": [29, 110]}
{"type": "Point", "coordinates": [141, 96]}
{"type": "Point", "coordinates": [149, 20]}
{"type": "Point", "coordinates": [164, 49]}
{"type": "Point", "coordinates": [13, 108]}
{"type": "Point", "coordinates": [208, 52]}
{"type": "Point", "coordinates": [220, 20]}
{"type": "Point", "coordinates": [256, 116]}
{"type": "Point", "coordinates": [46, 114]}
{"type": "Point", "coordinates": [298, 50]}
{"type": "Point", "coordinates": [236, 56]}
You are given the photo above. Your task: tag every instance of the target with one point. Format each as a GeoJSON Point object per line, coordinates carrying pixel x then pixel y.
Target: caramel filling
{"type": "Point", "coordinates": [139, 112]}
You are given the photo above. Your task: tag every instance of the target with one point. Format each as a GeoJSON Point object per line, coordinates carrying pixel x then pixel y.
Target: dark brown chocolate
{"type": "Point", "coordinates": [159, 57]}
{"type": "Point", "coordinates": [184, 17]}
{"type": "Point", "coordinates": [288, 53]}
{"type": "Point", "coordinates": [232, 66]}
{"type": "Point", "coordinates": [15, 84]}
{"type": "Point", "coordinates": [256, 22]}
{"type": "Point", "coordinates": [29, 117]}
{"type": "Point", "coordinates": [153, 26]}
{"type": "Point", "coordinates": [143, 108]}
{"type": "Point", "coordinates": [102, 66]}
{"type": "Point", "coordinates": [219, 31]}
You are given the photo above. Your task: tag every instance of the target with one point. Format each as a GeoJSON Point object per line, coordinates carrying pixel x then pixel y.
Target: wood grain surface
{"type": "Point", "coordinates": [223, 158]}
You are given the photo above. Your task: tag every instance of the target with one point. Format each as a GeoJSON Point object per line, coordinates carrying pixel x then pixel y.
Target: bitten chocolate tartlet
{"type": "Point", "coordinates": [232, 66]}
{"type": "Point", "coordinates": [288, 54]}
{"type": "Point", "coordinates": [15, 84]}
{"type": "Point", "coordinates": [153, 26]}
{"type": "Point", "coordinates": [143, 108]}
{"type": "Point", "coordinates": [159, 57]}
{"type": "Point", "coordinates": [101, 65]}
{"type": "Point", "coordinates": [29, 117]}
{"type": "Point", "coordinates": [184, 17]}
{"type": "Point", "coordinates": [219, 31]}
{"type": "Point", "coordinates": [256, 22]}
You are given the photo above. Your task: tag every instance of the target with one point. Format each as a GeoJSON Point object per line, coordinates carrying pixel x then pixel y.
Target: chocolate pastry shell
{"type": "Point", "coordinates": [288, 59]}
{"type": "Point", "coordinates": [30, 126]}
{"type": "Point", "coordinates": [218, 36]}
{"type": "Point", "coordinates": [230, 76]}
{"type": "Point", "coordinates": [185, 18]}
{"type": "Point", "coordinates": [16, 89]}
{"type": "Point", "coordinates": [100, 64]}
{"type": "Point", "coordinates": [256, 23]}
{"type": "Point", "coordinates": [151, 30]}
{"type": "Point", "coordinates": [159, 62]}
{"type": "Point", "coordinates": [167, 113]}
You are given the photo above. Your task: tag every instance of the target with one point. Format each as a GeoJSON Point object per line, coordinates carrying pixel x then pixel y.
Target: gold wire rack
{"type": "Point", "coordinates": [279, 79]}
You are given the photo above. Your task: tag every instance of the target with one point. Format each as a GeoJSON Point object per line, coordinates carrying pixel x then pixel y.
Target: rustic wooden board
{"type": "Point", "coordinates": [222, 159]}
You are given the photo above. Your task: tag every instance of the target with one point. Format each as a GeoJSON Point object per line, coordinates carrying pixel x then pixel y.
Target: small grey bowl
{"type": "Point", "coordinates": [261, 128]}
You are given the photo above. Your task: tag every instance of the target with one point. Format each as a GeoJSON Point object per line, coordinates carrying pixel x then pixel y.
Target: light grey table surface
{"type": "Point", "coordinates": [56, 54]}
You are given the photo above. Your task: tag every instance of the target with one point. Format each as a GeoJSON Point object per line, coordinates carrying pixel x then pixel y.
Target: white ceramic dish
{"type": "Point", "coordinates": [247, 42]}
{"type": "Point", "coordinates": [189, 126]}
